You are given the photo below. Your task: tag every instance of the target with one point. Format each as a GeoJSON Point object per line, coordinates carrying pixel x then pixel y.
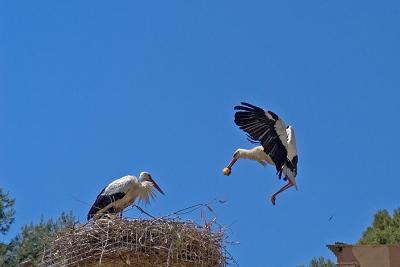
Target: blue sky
{"type": "Point", "coordinates": [93, 90]}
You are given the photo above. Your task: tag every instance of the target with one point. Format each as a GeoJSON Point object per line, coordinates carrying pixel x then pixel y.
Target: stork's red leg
{"type": "Point", "coordinates": [288, 185]}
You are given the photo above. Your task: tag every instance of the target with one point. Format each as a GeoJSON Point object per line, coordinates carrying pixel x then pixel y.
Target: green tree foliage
{"type": "Point", "coordinates": [320, 262]}
{"type": "Point", "coordinates": [3, 249]}
{"type": "Point", "coordinates": [7, 212]}
{"type": "Point", "coordinates": [27, 246]}
{"type": "Point", "coordinates": [385, 229]}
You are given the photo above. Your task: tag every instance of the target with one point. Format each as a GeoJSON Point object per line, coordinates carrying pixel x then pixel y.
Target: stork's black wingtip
{"type": "Point", "coordinates": [243, 107]}
{"type": "Point", "coordinates": [238, 107]}
{"type": "Point", "coordinates": [248, 105]}
{"type": "Point", "coordinates": [242, 104]}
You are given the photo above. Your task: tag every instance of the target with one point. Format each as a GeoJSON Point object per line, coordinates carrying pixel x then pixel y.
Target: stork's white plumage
{"type": "Point", "coordinates": [278, 143]}
{"type": "Point", "coordinates": [122, 192]}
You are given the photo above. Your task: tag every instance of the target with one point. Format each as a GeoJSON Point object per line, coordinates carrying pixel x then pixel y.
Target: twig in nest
{"type": "Point", "coordinates": [105, 244]}
{"type": "Point", "coordinates": [143, 211]}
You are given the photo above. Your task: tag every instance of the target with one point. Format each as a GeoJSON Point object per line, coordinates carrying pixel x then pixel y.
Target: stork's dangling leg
{"type": "Point", "coordinates": [288, 185]}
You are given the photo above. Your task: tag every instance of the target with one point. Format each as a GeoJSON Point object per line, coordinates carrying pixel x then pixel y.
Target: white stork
{"type": "Point", "coordinates": [278, 143]}
{"type": "Point", "coordinates": [121, 193]}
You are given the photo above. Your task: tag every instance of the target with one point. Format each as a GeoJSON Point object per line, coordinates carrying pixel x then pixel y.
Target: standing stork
{"type": "Point", "coordinates": [278, 143]}
{"type": "Point", "coordinates": [121, 193]}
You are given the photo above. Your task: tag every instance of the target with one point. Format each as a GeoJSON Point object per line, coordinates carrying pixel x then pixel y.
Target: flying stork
{"type": "Point", "coordinates": [121, 193]}
{"type": "Point", "coordinates": [278, 143]}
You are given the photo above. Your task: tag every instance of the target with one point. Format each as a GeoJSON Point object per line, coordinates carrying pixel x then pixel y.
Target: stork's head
{"type": "Point", "coordinates": [237, 155]}
{"type": "Point", "coordinates": [147, 181]}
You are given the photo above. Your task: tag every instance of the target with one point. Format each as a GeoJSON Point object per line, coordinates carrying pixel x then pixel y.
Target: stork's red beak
{"type": "Point", "coordinates": [156, 186]}
{"type": "Point", "coordinates": [227, 171]}
{"type": "Point", "coordinates": [231, 163]}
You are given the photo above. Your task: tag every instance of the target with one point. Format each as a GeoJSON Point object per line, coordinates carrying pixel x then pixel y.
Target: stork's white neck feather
{"type": "Point", "coordinates": [146, 192]}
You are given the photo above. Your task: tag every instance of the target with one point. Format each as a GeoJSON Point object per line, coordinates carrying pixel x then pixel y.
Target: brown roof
{"type": "Point", "coordinates": [366, 255]}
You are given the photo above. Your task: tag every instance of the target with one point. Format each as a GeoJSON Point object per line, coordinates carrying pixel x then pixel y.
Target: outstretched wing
{"type": "Point", "coordinates": [266, 128]}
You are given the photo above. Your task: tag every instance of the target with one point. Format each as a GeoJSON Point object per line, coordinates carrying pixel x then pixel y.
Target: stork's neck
{"type": "Point", "coordinates": [256, 153]}
{"type": "Point", "coordinates": [244, 153]}
{"type": "Point", "coordinates": [146, 191]}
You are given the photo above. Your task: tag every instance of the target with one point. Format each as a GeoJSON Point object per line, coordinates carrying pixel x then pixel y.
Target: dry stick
{"type": "Point", "coordinates": [179, 212]}
{"type": "Point", "coordinates": [142, 210]}
{"type": "Point", "coordinates": [105, 244]}
{"type": "Point", "coordinates": [125, 261]}
{"type": "Point", "coordinates": [193, 208]}
{"type": "Point", "coordinates": [169, 253]}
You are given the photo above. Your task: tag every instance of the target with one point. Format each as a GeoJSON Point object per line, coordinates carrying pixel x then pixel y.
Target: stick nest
{"type": "Point", "coordinates": [144, 243]}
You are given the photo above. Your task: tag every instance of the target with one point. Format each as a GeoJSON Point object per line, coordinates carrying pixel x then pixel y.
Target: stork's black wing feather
{"type": "Point", "coordinates": [103, 201]}
{"type": "Point", "coordinates": [261, 127]}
